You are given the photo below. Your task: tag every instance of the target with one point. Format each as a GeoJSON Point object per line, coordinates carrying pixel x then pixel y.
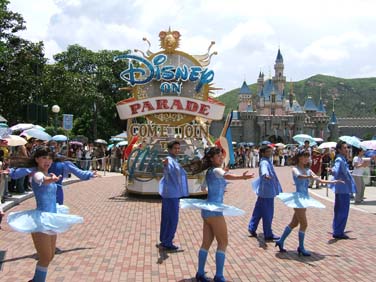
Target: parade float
{"type": "Point", "coordinates": [171, 89]}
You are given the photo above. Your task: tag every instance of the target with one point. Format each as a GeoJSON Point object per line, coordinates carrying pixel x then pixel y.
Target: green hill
{"type": "Point", "coordinates": [353, 97]}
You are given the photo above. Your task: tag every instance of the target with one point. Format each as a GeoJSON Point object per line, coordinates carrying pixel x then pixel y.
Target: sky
{"type": "Point", "coordinates": [335, 37]}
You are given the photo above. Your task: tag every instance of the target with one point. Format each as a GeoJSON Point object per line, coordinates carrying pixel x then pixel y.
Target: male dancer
{"type": "Point", "coordinates": [267, 186]}
{"type": "Point", "coordinates": [340, 171]}
{"type": "Point", "coordinates": [173, 186]}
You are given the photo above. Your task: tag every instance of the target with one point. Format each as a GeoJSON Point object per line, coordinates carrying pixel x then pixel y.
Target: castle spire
{"type": "Point", "coordinates": [291, 94]}
{"type": "Point", "coordinates": [333, 119]}
{"type": "Point", "coordinates": [321, 107]}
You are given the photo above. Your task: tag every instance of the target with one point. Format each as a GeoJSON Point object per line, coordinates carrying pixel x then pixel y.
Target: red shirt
{"type": "Point", "coordinates": [316, 163]}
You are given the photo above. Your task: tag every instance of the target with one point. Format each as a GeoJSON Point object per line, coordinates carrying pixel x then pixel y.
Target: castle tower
{"type": "Point", "coordinates": [279, 79]}
{"type": "Point", "coordinates": [309, 105]}
{"type": "Point", "coordinates": [260, 82]}
{"type": "Point", "coordinates": [244, 98]}
{"type": "Point", "coordinates": [273, 102]}
{"type": "Point", "coordinates": [291, 95]}
{"type": "Point", "coordinates": [333, 126]}
{"type": "Point", "coordinates": [321, 107]}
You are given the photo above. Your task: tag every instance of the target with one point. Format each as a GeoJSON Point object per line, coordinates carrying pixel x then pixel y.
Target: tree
{"type": "Point", "coordinates": [21, 66]}
{"type": "Point", "coordinates": [84, 83]}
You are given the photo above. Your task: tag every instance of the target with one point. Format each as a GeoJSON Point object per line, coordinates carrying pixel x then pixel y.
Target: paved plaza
{"type": "Point", "coordinates": [117, 241]}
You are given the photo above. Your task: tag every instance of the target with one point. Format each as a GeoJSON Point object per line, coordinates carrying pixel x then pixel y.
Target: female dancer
{"type": "Point", "coordinates": [300, 200]}
{"type": "Point", "coordinates": [46, 220]}
{"type": "Point", "coordinates": [213, 211]}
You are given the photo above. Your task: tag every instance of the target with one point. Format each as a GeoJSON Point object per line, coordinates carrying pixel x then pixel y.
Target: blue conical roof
{"type": "Point", "coordinates": [279, 58]}
{"type": "Point", "coordinates": [333, 119]}
{"type": "Point", "coordinates": [321, 107]}
{"type": "Point", "coordinates": [309, 105]}
{"type": "Point", "coordinates": [268, 89]}
{"type": "Point", "coordinates": [245, 89]}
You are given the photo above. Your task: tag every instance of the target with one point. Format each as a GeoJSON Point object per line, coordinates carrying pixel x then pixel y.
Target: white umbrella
{"type": "Point", "coordinates": [21, 126]}
{"type": "Point", "coordinates": [280, 145]}
{"type": "Point", "coordinates": [37, 134]}
{"type": "Point", "coordinates": [352, 141]}
{"type": "Point", "coordinates": [39, 127]}
{"type": "Point", "coordinates": [369, 144]}
{"type": "Point", "coordinates": [100, 141]}
{"type": "Point", "coordinates": [300, 138]}
{"type": "Point", "coordinates": [122, 143]}
{"type": "Point", "coordinates": [4, 132]}
{"type": "Point", "coordinates": [123, 135]}
{"type": "Point", "coordinates": [327, 145]}
{"type": "Point", "coordinates": [14, 140]}
{"type": "Point", "coordinates": [59, 138]}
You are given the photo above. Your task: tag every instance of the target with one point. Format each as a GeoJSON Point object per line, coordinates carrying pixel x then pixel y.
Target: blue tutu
{"type": "Point", "coordinates": [299, 200]}
{"type": "Point", "coordinates": [31, 221]}
{"type": "Point", "coordinates": [200, 204]}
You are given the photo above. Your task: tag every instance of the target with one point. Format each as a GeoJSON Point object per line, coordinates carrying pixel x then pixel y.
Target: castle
{"type": "Point", "coordinates": [274, 115]}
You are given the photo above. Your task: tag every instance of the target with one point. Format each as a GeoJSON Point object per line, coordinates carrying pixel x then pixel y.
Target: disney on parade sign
{"type": "Point", "coordinates": [169, 87]}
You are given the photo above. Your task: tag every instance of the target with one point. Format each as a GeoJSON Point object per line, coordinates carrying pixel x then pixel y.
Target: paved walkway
{"type": "Point", "coordinates": [117, 241]}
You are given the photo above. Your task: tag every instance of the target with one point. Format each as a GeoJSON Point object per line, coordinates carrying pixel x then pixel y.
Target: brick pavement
{"type": "Point", "coordinates": [117, 241]}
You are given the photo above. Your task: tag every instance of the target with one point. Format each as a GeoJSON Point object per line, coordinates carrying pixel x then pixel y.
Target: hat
{"type": "Point", "coordinates": [316, 151]}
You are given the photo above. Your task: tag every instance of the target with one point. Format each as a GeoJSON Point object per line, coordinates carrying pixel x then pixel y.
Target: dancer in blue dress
{"type": "Point", "coordinates": [300, 200]}
{"type": "Point", "coordinates": [212, 212]}
{"type": "Point", "coordinates": [60, 166]}
{"type": "Point", "coordinates": [46, 220]}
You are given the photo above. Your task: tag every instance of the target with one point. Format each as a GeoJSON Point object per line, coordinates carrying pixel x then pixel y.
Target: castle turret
{"type": "Point", "coordinates": [260, 81]}
{"type": "Point", "coordinates": [291, 94]}
{"type": "Point", "coordinates": [333, 126]}
{"type": "Point", "coordinates": [279, 79]}
{"type": "Point", "coordinates": [244, 97]}
{"type": "Point", "coordinates": [273, 103]}
{"type": "Point", "coordinates": [321, 107]}
{"type": "Point", "coordinates": [309, 105]}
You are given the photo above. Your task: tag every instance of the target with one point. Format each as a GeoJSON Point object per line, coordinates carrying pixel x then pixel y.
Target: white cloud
{"type": "Point", "coordinates": [334, 37]}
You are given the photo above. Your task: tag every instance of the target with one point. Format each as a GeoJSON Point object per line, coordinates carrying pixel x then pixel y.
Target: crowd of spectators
{"type": "Point", "coordinates": [85, 156]}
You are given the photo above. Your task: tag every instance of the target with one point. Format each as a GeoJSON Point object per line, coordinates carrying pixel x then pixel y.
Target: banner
{"type": "Point", "coordinates": [131, 108]}
{"type": "Point", "coordinates": [67, 121]}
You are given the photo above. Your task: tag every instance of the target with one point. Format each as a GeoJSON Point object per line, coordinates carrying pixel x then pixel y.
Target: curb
{"type": "Point", "coordinates": [352, 206]}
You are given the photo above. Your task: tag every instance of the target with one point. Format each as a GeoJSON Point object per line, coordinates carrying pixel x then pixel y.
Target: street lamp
{"type": "Point", "coordinates": [55, 110]}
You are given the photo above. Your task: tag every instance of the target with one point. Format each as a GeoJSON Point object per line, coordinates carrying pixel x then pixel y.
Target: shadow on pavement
{"type": "Point", "coordinates": [131, 197]}
{"type": "Point", "coordinates": [163, 253]}
{"type": "Point", "coordinates": [35, 256]}
{"type": "Point", "coordinates": [366, 203]}
{"type": "Point", "coordinates": [60, 251]}
{"type": "Point", "coordinates": [335, 240]}
{"type": "Point", "coordinates": [125, 198]}
{"type": "Point", "coordinates": [293, 255]}
{"type": "Point", "coordinates": [260, 240]}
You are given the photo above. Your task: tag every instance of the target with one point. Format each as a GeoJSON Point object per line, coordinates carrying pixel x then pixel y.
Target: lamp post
{"type": "Point", "coordinates": [55, 109]}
